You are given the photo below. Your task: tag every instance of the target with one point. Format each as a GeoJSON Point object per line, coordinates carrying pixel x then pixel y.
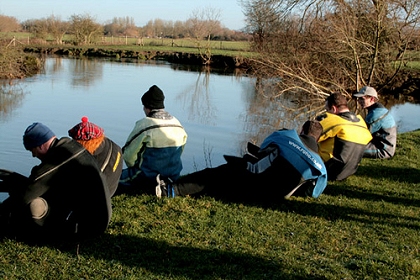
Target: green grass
{"type": "Point", "coordinates": [227, 48]}
{"type": "Point", "coordinates": [366, 227]}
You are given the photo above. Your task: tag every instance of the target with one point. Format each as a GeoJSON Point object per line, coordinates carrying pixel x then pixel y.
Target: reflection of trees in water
{"type": "Point", "coordinates": [11, 97]}
{"type": "Point", "coordinates": [86, 71]}
{"type": "Point", "coordinates": [196, 98]}
{"type": "Point", "coordinates": [268, 112]}
{"type": "Point", "coordinates": [57, 64]}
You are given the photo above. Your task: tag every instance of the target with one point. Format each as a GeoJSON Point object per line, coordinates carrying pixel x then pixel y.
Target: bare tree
{"type": "Point", "coordinates": [9, 24]}
{"type": "Point", "coordinates": [85, 29]}
{"type": "Point", "coordinates": [202, 25]}
{"type": "Point", "coordinates": [57, 28]}
{"type": "Point", "coordinates": [122, 26]}
{"type": "Point", "coordinates": [38, 27]}
{"type": "Point", "coordinates": [323, 45]}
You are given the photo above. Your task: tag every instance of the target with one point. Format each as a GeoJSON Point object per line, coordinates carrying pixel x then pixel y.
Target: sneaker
{"type": "Point", "coordinates": [164, 188]}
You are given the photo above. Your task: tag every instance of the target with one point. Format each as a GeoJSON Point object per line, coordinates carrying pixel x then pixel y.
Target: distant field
{"type": "Point", "coordinates": [162, 44]}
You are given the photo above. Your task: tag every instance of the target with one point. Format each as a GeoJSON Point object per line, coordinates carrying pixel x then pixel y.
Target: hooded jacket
{"type": "Point", "coordinates": [342, 143]}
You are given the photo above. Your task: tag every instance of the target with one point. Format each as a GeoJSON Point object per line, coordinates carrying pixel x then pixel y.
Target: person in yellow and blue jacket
{"type": "Point", "coordinates": [154, 146]}
{"type": "Point", "coordinates": [343, 139]}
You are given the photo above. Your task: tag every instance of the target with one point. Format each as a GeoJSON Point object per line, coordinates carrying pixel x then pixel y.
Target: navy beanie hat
{"type": "Point", "coordinates": [35, 135]}
{"type": "Point", "coordinates": [153, 98]}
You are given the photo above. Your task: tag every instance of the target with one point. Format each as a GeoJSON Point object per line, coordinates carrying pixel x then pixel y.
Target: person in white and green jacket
{"type": "Point", "coordinates": [154, 146]}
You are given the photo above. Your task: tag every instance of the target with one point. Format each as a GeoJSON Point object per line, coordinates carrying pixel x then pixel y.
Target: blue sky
{"type": "Point", "coordinates": [231, 15]}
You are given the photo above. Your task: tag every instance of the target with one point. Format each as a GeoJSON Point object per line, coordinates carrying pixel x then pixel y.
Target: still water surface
{"type": "Point", "coordinates": [220, 112]}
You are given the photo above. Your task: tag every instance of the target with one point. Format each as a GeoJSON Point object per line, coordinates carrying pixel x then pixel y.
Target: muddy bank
{"type": "Point", "coordinates": [218, 61]}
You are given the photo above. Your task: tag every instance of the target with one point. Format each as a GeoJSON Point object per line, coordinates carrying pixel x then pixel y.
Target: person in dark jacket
{"type": "Point", "coordinates": [381, 125]}
{"type": "Point", "coordinates": [107, 153]}
{"type": "Point", "coordinates": [65, 196]}
{"type": "Point", "coordinates": [286, 164]}
{"type": "Point", "coordinates": [343, 139]}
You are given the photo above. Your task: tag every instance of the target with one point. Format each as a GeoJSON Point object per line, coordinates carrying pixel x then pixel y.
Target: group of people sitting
{"type": "Point", "coordinates": [48, 205]}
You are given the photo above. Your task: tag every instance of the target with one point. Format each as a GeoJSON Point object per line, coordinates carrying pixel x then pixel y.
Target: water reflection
{"type": "Point", "coordinates": [86, 72]}
{"type": "Point", "coordinates": [11, 97]}
{"type": "Point", "coordinates": [197, 100]}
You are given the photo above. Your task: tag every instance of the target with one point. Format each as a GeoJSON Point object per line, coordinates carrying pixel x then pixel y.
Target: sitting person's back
{"type": "Point", "coordinates": [154, 146]}
{"type": "Point", "coordinates": [381, 124]}
{"type": "Point", "coordinates": [106, 152]}
{"type": "Point", "coordinates": [344, 138]}
{"type": "Point", "coordinates": [64, 197]}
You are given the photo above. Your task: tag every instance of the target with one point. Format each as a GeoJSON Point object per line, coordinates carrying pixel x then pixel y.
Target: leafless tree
{"type": "Point", "coordinates": [9, 24]}
{"type": "Point", "coordinates": [38, 27]}
{"type": "Point", "coordinates": [202, 25]}
{"type": "Point", "coordinates": [85, 29]}
{"type": "Point", "coordinates": [57, 28]}
{"type": "Point", "coordinates": [122, 26]}
{"type": "Point", "coordinates": [319, 46]}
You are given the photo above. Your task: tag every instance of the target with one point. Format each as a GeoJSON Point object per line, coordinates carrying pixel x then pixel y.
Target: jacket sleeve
{"type": "Point", "coordinates": [133, 147]}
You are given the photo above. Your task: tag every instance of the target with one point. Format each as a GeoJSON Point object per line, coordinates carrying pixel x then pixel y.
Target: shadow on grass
{"type": "Point", "coordinates": [398, 174]}
{"type": "Point", "coordinates": [355, 192]}
{"type": "Point", "coordinates": [158, 258]}
{"type": "Point", "coordinates": [345, 213]}
{"type": "Point", "coordinates": [382, 193]}
{"type": "Point", "coordinates": [340, 212]}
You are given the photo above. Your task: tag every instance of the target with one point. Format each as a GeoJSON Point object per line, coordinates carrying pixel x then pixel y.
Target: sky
{"type": "Point", "coordinates": [231, 15]}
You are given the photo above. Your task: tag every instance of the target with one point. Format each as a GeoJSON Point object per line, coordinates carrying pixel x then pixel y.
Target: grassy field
{"type": "Point", "coordinates": [366, 227]}
{"type": "Point", "coordinates": [229, 48]}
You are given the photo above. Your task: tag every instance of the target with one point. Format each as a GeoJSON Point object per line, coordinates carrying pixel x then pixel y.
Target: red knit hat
{"type": "Point", "coordinates": [86, 130]}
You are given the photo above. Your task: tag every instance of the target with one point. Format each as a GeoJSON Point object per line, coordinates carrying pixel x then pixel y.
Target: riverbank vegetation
{"type": "Point", "coordinates": [365, 227]}
{"type": "Point", "coordinates": [16, 64]}
{"type": "Point", "coordinates": [336, 45]}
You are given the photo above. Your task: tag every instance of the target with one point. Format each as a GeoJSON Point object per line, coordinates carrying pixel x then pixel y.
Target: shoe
{"type": "Point", "coordinates": [160, 185]}
{"type": "Point", "coordinates": [164, 188]}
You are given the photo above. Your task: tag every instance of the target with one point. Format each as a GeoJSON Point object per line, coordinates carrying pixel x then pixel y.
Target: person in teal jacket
{"type": "Point", "coordinates": [381, 125]}
{"type": "Point", "coordinates": [286, 164]}
{"type": "Point", "coordinates": [154, 146]}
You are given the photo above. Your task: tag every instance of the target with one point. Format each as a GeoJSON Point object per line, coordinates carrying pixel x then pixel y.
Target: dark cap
{"type": "Point", "coordinates": [153, 98]}
{"type": "Point", "coordinates": [35, 135]}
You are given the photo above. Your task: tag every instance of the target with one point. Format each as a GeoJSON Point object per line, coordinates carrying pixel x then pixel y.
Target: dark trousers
{"type": "Point", "coordinates": [235, 183]}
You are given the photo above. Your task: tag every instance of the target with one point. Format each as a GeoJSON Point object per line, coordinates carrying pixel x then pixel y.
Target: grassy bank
{"type": "Point", "coordinates": [15, 64]}
{"type": "Point", "coordinates": [366, 227]}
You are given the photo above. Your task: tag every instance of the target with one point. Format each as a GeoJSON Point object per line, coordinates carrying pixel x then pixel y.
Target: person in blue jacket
{"type": "Point", "coordinates": [154, 146]}
{"type": "Point", "coordinates": [381, 125]}
{"type": "Point", "coordinates": [286, 164]}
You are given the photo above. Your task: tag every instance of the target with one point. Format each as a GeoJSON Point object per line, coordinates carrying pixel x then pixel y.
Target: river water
{"type": "Point", "coordinates": [221, 112]}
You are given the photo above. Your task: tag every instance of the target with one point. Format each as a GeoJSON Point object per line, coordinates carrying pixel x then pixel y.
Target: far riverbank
{"type": "Point", "coordinates": [217, 61]}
